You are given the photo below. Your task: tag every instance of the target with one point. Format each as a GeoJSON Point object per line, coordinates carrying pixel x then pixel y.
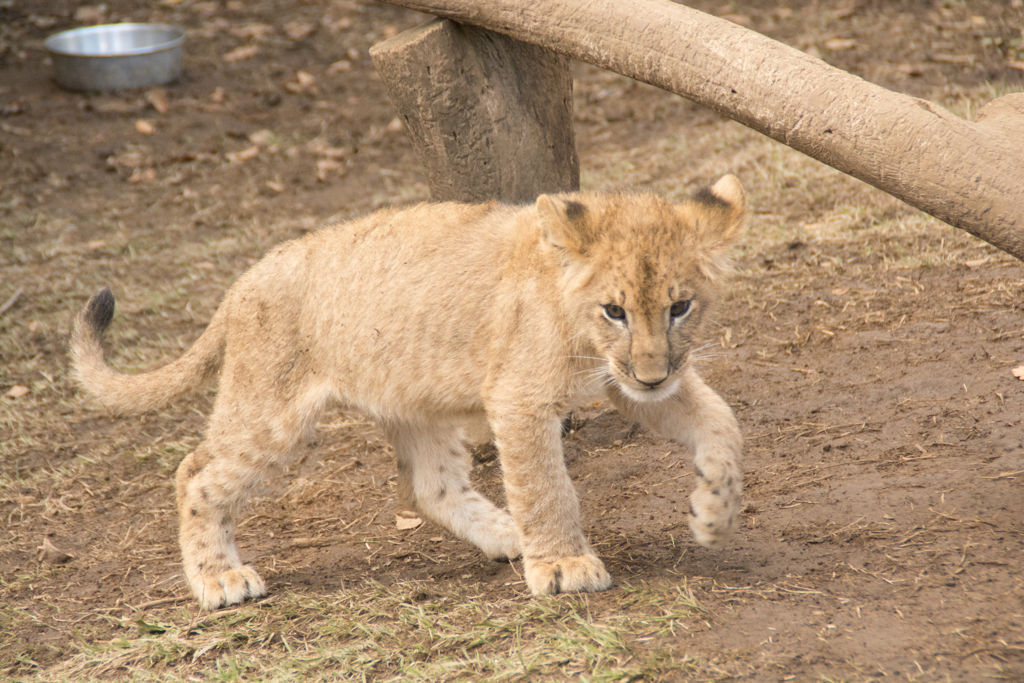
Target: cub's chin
{"type": "Point", "coordinates": [642, 394]}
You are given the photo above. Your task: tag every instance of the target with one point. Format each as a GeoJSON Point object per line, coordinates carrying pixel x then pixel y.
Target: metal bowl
{"type": "Point", "coordinates": [115, 56]}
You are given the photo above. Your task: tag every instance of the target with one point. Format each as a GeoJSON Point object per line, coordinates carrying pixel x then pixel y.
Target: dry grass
{"type": "Point", "coordinates": [842, 237]}
{"type": "Point", "coordinates": [407, 632]}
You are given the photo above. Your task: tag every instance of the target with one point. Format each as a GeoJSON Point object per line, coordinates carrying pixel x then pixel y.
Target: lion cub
{"type": "Point", "coordinates": [430, 317]}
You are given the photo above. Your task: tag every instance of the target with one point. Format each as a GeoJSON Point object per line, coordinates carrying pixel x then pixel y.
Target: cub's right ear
{"type": "Point", "coordinates": [563, 223]}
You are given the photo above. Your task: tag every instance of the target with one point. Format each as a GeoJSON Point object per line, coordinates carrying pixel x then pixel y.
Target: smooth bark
{"type": "Point", "coordinates": [970, 175]}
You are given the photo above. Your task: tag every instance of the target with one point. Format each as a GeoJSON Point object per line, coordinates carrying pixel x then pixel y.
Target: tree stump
{"type": "Point", "coordinates": [491, 117]}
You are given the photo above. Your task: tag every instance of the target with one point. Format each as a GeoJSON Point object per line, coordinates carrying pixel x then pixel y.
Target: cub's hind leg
{"type": "Point", "coordinates": [211, 490]}
{"type": "Point", "coordinates": [433, 478]}
{"type": "Point", "coordinates": [246, 441]}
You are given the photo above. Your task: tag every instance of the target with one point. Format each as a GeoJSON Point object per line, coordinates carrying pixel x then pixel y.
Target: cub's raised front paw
{"type": "Point", "coordinates": [567, 575]}
{"type": "Point", "coordinates": [715, 511]}
{"type": "Point", "coordinates": [228, 587]}
{"type": "Point", "coordinates": [503, 541]}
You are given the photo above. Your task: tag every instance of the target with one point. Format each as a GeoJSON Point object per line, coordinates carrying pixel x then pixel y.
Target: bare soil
{"type": "Point", "coordinates": [866, 349]}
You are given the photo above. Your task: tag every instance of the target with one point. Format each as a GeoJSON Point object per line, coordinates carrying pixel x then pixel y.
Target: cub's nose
{"type": "Point", "coordinates": [650, 383]}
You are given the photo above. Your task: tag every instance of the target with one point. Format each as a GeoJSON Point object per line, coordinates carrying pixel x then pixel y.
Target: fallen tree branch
{"type": "Point", "coordinates": [966, 174]}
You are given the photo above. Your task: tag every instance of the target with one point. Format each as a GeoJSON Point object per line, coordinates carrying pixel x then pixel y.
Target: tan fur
{"type": "Point", "coordinates": [444, 315]}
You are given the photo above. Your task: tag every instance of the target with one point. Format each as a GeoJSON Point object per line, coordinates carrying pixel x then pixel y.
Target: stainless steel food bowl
{"type": "Point", "coordinates": [115, 56]}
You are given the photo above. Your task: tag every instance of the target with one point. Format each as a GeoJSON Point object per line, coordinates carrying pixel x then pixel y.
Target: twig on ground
{"type": "Point", "coordinates": [6, 306]}
{"type": "Point", "coordinates": [157, 603]}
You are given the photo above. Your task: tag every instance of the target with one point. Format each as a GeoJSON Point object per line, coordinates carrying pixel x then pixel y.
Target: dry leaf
{"type": "Point", "coordinates": [116, 106]}
{"type": "Point", "coordinates": [158, 98]}
{"type": "Point", "coordinates": [913, 70]}
{"type": "Point", "coordinates": [140, 175]}
{"type": "Point", "coordinates": [128, 159]}
{"type": "Point", "coordinates": [241, 53]}
{"type": "Point", "coordinates": [244, 155]}
{"type": "Point", "coordinates": [43, 22]}
{"type": "Point", "coordinates": [838, 44]}
{"type": "Point", "coordinates": [297, 30]}
{"type": "Point", "coordinates": [320, 148]}
{"type": "Point", "coordinates": [727, 339]}
{"type": "Point", "coordinates": [263, 138]}
{"type": "Point", "coordinates": [1018, 372]}
{"type": "Point", "coordinates": [339, 66]}
{"type": "Point", "coordinates": [325, 166]}
{"type": "Point", "coordinates": [952, 59]}
{"type": "Point", "coordinates": [253, 31]}
{"type": "Point", "coordinates": [51, 554]}
{"type": "Point", "coordinates": [332, 152]}
{"type": "Point", "coordinates": [406, 523]}
{"type": "Point", "coordinates": [337, 25]}
{"type": "Point", "coordinates": [304, 83]}
{"type": "Point", "coordinates": [840, 291]}
{"type": "Point", "coordinates": [205, 9]}
{"type": "Point", "coordinates": [976, 263]}
{"type": "Point", "coordinates": [144, 127]}
{"type": "Point", "coordinates": [17, 391]}
{"type": "Point", "coordinates": [90, 15]}
{"type": "Point", "coordinates": [738, 19]}
{"type": "Point", "coordinates": [16, 130]}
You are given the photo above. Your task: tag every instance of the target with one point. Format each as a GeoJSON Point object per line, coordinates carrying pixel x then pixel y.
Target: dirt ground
{"type": "Point", "coordinates": [866, 348]}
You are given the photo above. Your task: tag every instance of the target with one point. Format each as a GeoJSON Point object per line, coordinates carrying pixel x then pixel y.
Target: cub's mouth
{"type": "Point", "coordinates": [645, 393]}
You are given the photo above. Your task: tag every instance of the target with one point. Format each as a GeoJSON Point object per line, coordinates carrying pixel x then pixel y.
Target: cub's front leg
{"type": "Point", "coordinates": [698, 417]}
{"type": "Point", "coordinates": [556, 555]}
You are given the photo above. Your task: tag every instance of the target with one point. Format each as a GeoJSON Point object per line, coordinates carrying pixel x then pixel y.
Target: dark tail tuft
{"type": "Point", "coordinates": [100, 310]}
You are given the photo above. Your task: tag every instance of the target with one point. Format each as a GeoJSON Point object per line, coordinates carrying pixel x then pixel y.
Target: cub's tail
{"type": "Point", "coordinates": [123, 393]}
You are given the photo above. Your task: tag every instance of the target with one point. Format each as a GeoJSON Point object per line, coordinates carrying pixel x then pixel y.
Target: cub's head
{"type": "Point", "coordinates": [640, 275]}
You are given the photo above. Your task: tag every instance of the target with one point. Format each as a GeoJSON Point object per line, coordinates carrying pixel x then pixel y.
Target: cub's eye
{"type": "Point", "coordinates": [615, 312]}
{"type": "Point", "coordinates": [679, 308]}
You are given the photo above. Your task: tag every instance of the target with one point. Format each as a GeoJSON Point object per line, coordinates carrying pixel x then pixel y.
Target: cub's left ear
{"type": "Point", "coordinates": [722, 211]}
{"type": "Point", "coordinates": [729, 190]}
{"type": "Point", "coordinates": [725, 210]}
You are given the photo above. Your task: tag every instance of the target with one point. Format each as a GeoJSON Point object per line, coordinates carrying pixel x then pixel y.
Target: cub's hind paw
{"type": "Point", "coordinates": [567, 575]}
{"type": "Point", "coordinates": [714, 513]}
{"type": "Point", "coordinates": [228, 587]}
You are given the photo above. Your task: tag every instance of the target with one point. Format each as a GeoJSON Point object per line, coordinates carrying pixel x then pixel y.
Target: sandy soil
{"type": "Point", "coordinates": [867, 350]}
